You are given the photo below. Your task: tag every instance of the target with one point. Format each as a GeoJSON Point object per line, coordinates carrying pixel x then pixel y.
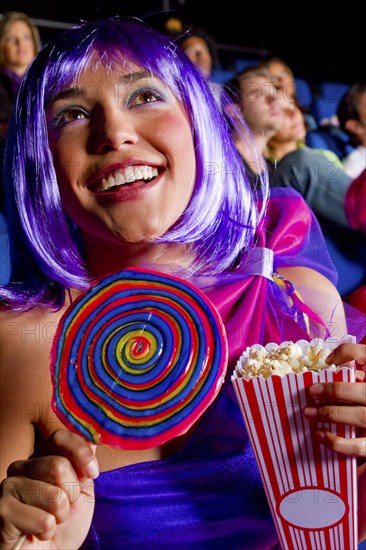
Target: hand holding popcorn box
{"type": "Point", "coordinates": [312, 491]}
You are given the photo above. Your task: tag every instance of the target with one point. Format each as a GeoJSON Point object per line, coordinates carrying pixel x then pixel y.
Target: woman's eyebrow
{"type": "Point", "coordinates": [76, 92]}
{"type": "Point", "coordinates": [70, 93]}
{"type": "Point", "coordinates": [137, 75]}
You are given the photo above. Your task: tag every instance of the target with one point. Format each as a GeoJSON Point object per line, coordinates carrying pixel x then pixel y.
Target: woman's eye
{"type": "Point", "coordinates": [142, 97]}
{"type": "Point", "coordinates": [68, 115]}
{"type": "Point", "coordinates": [147, 97]}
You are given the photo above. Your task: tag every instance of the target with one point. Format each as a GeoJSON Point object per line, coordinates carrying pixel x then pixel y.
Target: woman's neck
{"type": "Point", "coordinates": [279, 150]}
{"type": "Point", "coordinates": [18, 70]}
{"type": "Point", "coordinates": [251, 155]}
{"type": "Point", "coordinates": [105, 257]}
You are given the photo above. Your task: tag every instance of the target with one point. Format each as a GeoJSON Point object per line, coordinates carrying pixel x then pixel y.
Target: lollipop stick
{"type": "Point", "coordinates": [19, 542]}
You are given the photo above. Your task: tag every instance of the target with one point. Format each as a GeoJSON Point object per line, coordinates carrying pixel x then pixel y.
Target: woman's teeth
{"type": "Point", "coordinates": [128, 175]}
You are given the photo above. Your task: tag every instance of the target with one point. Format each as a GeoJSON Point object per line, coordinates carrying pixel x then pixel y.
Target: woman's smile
{"type": "Point", "coordinates": [126, 181]}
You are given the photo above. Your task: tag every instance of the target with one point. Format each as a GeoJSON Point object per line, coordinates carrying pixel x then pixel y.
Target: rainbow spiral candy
{"type": "Point", "coordinates": [137, 359]}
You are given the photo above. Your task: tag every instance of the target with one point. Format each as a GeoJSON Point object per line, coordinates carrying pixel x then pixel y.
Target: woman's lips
{"type": "Point", "coordinates": [118, 176]}
{"type": "Point", "coordinates": [127, 191]}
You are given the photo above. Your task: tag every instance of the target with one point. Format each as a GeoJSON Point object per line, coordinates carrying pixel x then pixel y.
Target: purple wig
{"type": "Point", "coordinates": [47, 256]}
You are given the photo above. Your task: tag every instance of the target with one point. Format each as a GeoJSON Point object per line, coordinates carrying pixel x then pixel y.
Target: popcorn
{"type": "Point", "coordinates": [283, 358]}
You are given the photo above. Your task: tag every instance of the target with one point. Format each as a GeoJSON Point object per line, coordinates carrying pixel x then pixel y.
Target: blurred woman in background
{"type": "Point", "coordinates": [19, 44]}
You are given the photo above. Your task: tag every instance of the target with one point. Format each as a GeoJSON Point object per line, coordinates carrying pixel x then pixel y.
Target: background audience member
{"type": "Point", "coordinates": [318, 177]}
{"type": "Point", "coordinates": [320, 180]}
{"type": "Point", "coordinates": [292, 135]}
{"type": "Point", "coordinates": [255, 97]}
{"type": "Point", "coordinates": [351, 114]}
{"type": "Point", "coordinates": [283, 75]}
{"type": "Point", "coordinates": [285, 80]}
{"type": "Point", "coordinates": [200, 48]}
{"type": "Point", "coordinates": [19, 43]}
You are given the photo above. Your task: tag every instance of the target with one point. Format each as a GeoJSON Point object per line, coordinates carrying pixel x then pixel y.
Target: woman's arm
{"type": "Point", "coordinates": [320, 295]}
{"type": "Point", "coordinates": [49, 496]}
{"type": "Point", "coordinates": [23, 370]}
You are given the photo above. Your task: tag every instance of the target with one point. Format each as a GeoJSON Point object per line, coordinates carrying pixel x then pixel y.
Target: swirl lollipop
{"type": "Point", "coordinates": [137, 359]}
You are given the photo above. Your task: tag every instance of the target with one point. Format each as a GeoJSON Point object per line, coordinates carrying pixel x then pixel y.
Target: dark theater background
{"type": "Point", "coordinates": [318, 40]}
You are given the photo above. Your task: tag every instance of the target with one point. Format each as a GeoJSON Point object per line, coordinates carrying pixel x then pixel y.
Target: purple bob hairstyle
{"type": "Point", "coordinates": [46, 251]}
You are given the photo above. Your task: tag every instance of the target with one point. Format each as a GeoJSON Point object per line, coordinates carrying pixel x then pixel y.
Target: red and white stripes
{"type": "Point", "coordinates": [310, 489]}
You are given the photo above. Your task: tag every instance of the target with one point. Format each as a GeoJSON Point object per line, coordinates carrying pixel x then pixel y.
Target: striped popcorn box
{"type": "Point", "coordinates": [311, 491]}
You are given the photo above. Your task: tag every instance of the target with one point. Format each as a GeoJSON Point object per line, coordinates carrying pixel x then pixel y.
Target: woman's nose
{"type": "Point", "coordinates": [115, 129]}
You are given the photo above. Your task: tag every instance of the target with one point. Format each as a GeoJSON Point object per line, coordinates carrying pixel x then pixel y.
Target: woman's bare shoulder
{"type": "Point", "coordinates": [26, 340]}
{"type": "Point", "coordinates": [307, 276]}
{"type": "Point", "coordinates": [28, 328]}
{"type": "Point", "coordinates": [320, 294]}
{"type": "Point", "coordinates": [33, 326]}
{"type": "Point", "coordinates": [25, 380]}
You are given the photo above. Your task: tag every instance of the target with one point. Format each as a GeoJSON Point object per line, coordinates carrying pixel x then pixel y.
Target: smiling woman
{"type": "Point", "coordinates": [94, 121]}
{"type": "Point", "coordinates": [124, 164]}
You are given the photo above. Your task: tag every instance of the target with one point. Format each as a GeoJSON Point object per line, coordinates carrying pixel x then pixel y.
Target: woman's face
{"type": "Point", "coordinates": [124, 154]}
{"type": "Point", "coordinates": [283, 76]}
{"type": "Point", "coordinates": [292, 125]}
{"type": "Point", "coordinates": [198, 52]}
{"type": "Point", "coordinates": [260, 105]}
{"type": "Point", "coordinates": [19, 49]}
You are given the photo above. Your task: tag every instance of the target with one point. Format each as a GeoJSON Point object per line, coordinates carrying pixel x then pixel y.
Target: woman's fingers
{"type": "Point", "coordinates": [30, 521]}
{"type": "Point", "coordinates": [348, 352]}
{"type": "Point", "coordinates": [56, 473]}
{"type": "Point", "coordinates": [34, 493]}
{"type": "Point", "coordinates": [37, 508]}
{"type": "Point", "coordinates": [73, 447]}
{"type": "Point", "coordinates": [345, 392]}
{"type": "Point", "coordinates": [337, 414]}
{"type": "Point", "coordinates": [64, 470]}
{"type": "Point", "coordinates": [339, 403]}
{"type": "Point", "coordinates": [351, 447]}
{"type": "Point", "coordinates": [32, 507]}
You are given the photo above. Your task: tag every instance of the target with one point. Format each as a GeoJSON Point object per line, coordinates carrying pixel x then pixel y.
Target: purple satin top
{"type": "Point", "coordinates": [209, 495]}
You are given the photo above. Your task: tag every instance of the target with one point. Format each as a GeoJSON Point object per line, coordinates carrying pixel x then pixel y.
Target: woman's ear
{"type": "Point", "coordinates": [353, 126]}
